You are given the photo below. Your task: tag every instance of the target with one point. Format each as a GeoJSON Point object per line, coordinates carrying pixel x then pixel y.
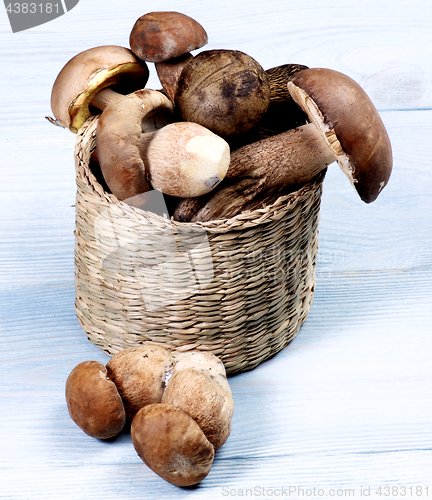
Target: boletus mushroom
{"type": "Point", "coordinates": [172, 444]}
{"type": "Point", "coordinates": [345, 126]}
{"type": "Point", "coordinates": [260, 172]}
{"type": "Point", "coordinates": [139, 374]}
{"type": "Point", "coordinates": [118, 136]}
{"type": "Point", "coordinates": [167, 39]}
{"type": "Point", "coordinates": [91, 80]}
{"type": "Point", "coordinates": [179, 159]}
{"type": "Point", "coordinates": [198, 385]}
{"type": "Point", "coordinates": [93, 401]}
{"type": "Point", "coordinates": [226, 91]}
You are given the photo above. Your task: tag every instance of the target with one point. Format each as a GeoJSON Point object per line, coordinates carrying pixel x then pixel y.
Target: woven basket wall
{"type": "Point", "coordinates": [240, 288]}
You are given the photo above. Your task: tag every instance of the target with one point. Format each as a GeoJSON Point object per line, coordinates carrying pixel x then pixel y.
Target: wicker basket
{"type": "Point", "coordinates": [240, 288]}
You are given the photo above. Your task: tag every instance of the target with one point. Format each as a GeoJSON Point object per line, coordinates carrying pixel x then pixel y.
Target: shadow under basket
{"type": "Point", "coordinates": [240, 288]}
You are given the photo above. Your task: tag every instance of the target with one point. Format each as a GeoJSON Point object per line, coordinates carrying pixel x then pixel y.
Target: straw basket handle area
{"type": "Point", "coordinates": [240, 288]}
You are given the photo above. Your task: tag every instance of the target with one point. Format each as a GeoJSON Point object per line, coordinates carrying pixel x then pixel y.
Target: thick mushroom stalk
{"type": "Point", "coordinates": [169, 73]}
{"type": "Point", "coordinates": [86, 82]}
{"type": "Point", "coordinates": [118, 137]}
{"type": "Point", "coordinates": [184, 159]}
{"type": "Point", "coordinates": [345, 127]}
{"type": "Point", "coordinates": [259, 172]}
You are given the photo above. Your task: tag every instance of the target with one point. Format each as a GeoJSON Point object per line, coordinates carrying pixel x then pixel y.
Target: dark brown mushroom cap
{"type": "Point", "coordinates": [89, 72]}
{"type": "Point", "coordinates": [339, 106]}
{"type": "Point", "coordinates": [226, 91]}
{"type": "Point", "coordinates": [159, 36]}
{"type": "Point", "coordinates": [139, 374]}
{"type": "Point", "coordinates": [93, 401]}
{"type": "Point", "coordinates": [172, 444]}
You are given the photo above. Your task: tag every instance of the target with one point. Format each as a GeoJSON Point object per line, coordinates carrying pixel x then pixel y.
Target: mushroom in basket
{"type": "Point", "coordinates": [91, 80]}
{"type": "Point", "coordinates": [345, 126]}
{"type": "Point", "coordinates": [167, 39]}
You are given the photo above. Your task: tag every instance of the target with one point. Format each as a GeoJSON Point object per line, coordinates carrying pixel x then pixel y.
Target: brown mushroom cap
{"type": "Point", "coordinates": [172, 444]}
{"type": "Point", "coordinates": [93, 401]}
{"type": "Point", "coordinates": [159, 36]}
{"type": "Point", "coordinates": [350, 124]}
{"type": "Point", "coordinates": [139, 374]}
{"type": "Point", "coordinates": [226, 91]}
{"type": "Point", "coordinates": [198, 386]}
{"type": "Point", "coordinates": [89, 72]}
{"type": "Point", "coordinates": [118, 137]}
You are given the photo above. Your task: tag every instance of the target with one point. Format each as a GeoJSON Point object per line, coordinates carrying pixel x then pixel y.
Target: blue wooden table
{"type": "Point", "coordinates": [346, 409]}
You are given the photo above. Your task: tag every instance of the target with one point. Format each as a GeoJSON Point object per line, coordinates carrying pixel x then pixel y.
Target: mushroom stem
{"type": "Point", "coordinates": [105, 97]}
{"type": "Point", "coordinates": [260, 171]}
{"type": "Point", "coordinates": [184, 159]}
{"type": "Point", "coordinates": [169, 73]}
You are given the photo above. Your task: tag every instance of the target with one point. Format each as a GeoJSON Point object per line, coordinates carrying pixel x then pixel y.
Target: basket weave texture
{"type": "Point", "coordinates": [240, 288]}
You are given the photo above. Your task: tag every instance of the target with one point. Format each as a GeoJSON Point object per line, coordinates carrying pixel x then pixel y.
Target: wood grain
{"type": "Point", "coordinates": [347, 404]}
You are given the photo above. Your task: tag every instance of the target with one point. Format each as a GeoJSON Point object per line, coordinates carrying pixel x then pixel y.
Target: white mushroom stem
{"type": "Point", "coordinates": [184, 159]}
{"type": "Point", "coordinates": [260, 171]}
{"type": "Point", "coordinates": [105, 97]}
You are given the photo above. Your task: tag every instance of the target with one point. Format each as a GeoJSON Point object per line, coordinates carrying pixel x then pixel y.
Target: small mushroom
{"type": "Point", "coordinates": [184, 159]}
{"type": "Point", "coordinates": [139, 374]}
{"type": "Point", "coordinates": [180, 159]}
{"type": "Point", "coordinates": [198, 385]}
{"type": "Point", "coordinates": [92, 79]}
{"type": "Point", "coordinates": [167, 38]}
{"type": "Point", "coordinates": [118, 136]}
{"type": "Point", "coordinates": [226, 91]}
{"type": "Point", "coordinates": [93, 401]}
{"type": "Point", "coordinates": [345, 127]}
{"type": "Point", "coordinates": [172, 444]}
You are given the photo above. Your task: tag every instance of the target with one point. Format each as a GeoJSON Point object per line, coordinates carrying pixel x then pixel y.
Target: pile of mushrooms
{"type": "Point", "coordinates": [222, 135]}
{"type": "Point", "coordinates": [179, 404]}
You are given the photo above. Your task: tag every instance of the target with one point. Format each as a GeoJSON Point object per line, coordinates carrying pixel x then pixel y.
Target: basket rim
{"type": "Point", "coordinates": [244, 220]}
